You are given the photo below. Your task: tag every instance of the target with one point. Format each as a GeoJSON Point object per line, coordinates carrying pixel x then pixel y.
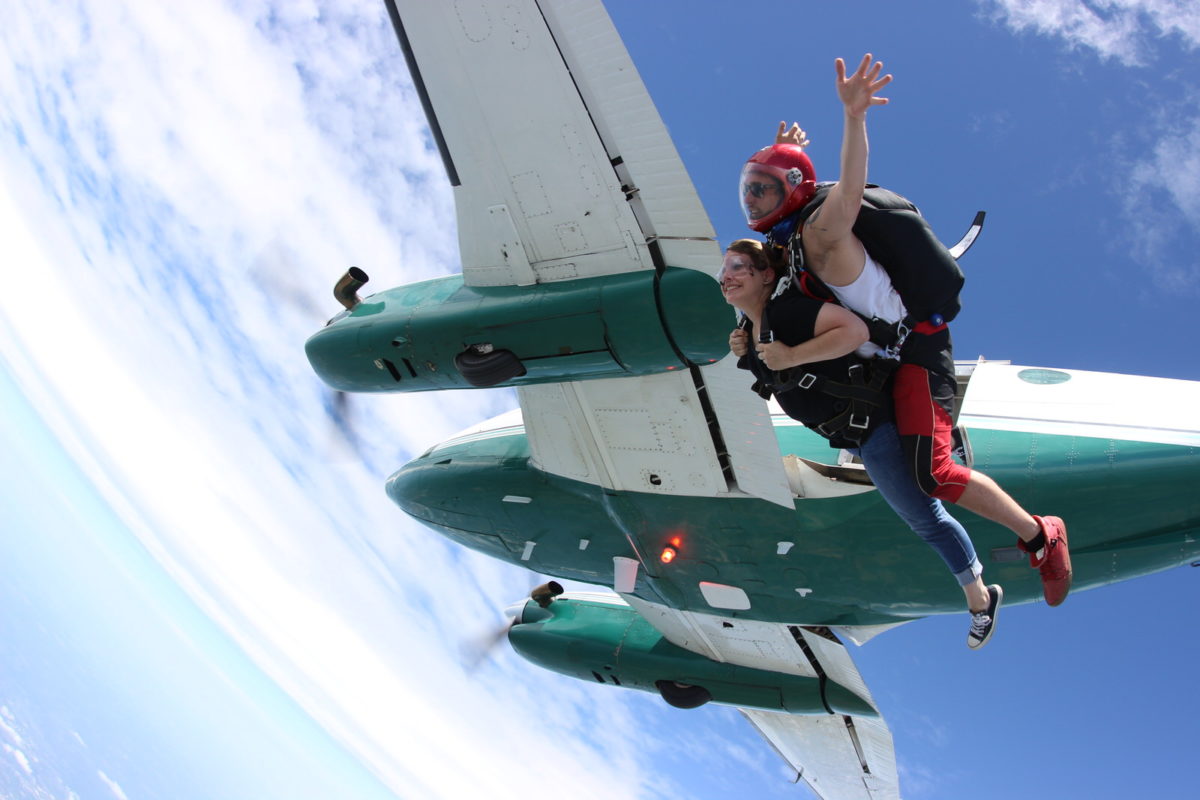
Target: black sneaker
{"type": "Point", "coordinates": [983, 623]}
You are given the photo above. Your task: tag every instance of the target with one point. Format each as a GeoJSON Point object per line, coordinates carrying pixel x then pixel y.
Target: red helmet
{"type": "Point", "coordinates": [776, 181]}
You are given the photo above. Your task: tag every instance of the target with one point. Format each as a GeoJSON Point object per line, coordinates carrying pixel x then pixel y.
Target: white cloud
{"type": "Point", "coordinates": [1120, 29]}
{"type": "Point", "coordinates": [1161, 195]}
{"type": "Point", "coordinates": [919, 780]}
{"type": "Point", "coordinates": [7, 723]}
{"type": "Point", "coordinates": [19, 757]}
{"type": "Point", "coordinates": [1174, 166]}
{"type": "Point", "coordinates": [113, 786]}
{"type": "Point", "coordinates": [333, 593]}
{"type": "Point", "coordinates": [1162, 207]}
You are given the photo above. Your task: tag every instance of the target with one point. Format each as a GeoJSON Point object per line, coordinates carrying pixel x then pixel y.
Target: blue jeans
{"type": "Point", "coordinates": [884, 459]}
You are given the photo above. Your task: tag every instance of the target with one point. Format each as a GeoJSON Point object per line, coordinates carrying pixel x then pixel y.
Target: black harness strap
{"type": "Point", "coordinates": [864, 394]}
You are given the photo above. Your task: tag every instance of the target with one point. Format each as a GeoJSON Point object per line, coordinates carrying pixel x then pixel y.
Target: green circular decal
{"type": "Point", "coordinates": [1043, 376]}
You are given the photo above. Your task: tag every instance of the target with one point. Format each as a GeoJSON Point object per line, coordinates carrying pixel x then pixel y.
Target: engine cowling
{"type": "Point", "coordinates": [443, 334]}
{"type": "Point", "coordinates": [609, 642]}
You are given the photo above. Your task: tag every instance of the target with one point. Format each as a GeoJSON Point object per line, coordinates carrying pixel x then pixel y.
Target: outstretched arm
{"type": "Point", "coordinates": [858, 93]}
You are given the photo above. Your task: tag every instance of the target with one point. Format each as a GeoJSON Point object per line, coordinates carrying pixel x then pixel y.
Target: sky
{"type": "Point", "coordinates": [206, 592]}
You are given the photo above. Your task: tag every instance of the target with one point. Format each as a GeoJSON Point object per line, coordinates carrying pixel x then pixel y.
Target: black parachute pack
{"type": "Point", "coordinates": [925, 274]}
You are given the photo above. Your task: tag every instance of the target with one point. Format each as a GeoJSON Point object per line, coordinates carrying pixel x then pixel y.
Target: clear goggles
{"type": "Point", "coordinates": [735, 264]}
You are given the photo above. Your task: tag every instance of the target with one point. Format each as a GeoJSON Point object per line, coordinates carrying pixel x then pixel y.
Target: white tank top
{"type": "Point", "coordinates": [872, 295]}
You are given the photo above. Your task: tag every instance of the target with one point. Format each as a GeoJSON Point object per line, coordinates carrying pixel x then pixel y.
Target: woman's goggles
{"type": "Point", "coordinates": [734, 267]}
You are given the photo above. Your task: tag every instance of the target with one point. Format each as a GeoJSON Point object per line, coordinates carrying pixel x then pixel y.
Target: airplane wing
{"type": "Point", "coordinates": [840, 756]}
{"type": "Point", "coordinates": [560, 163]}
{"type": "Point", "coordinates": [563, 170]}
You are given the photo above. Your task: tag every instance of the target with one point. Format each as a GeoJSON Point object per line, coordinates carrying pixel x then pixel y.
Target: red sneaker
{"type": "Point", "coordinates": [1055, 561]}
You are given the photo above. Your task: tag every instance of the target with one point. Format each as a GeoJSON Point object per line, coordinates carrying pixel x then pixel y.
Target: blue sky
{"type": "Point", "coordinates": [1078, 136]}
{"type": "Point", "coordinates": [174, 221]}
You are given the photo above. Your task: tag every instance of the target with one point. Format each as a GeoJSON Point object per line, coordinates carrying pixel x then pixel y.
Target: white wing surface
{"type": "Point", "coordinates": [840, 756]}
{"type": "Point", "coordinates": [563, 170]}
{"type": "Point", "coordinates": [562, 167]}
{"type": "Point", "coordinates": [1071, 402]}
{"type": "Point", "coordinates": [700, 433]}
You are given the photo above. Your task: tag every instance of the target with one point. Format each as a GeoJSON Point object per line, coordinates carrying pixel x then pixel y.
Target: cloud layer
{"type": "Point", "coordinates": [1125, 30]}
{"type": "Point", "coordinates": [195, 178]}
{"type": "Point", "coordinates": [1156, 158]}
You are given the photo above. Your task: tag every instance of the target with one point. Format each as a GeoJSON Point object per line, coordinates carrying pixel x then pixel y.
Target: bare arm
{"type": "Point", "coordinates": [831, 225]}
{"type": "Point", "coordinates": [837, 332]}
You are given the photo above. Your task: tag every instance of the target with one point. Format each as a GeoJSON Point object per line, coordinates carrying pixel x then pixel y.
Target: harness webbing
{"type": "Point", "coordinates": [863, 391]}
{"type": "Point", "coordinates": [864, 394]}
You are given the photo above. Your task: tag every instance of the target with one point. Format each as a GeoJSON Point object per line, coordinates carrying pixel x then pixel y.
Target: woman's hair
{"type": "Point", "coordinates": [753, 249]}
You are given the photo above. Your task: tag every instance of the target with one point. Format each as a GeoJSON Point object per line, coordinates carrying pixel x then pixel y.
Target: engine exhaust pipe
{"type": "Point", "coordinates": [544, 595]}
{"type": "Point", "coordinates": [346, 289]}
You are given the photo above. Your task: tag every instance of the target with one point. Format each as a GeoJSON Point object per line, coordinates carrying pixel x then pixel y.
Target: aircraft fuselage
{"type": "Point", "coordinates": [1131, 506]}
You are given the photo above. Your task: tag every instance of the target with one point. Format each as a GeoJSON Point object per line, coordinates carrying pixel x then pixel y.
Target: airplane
{"type": "Point", "coordinates": [740, 550]}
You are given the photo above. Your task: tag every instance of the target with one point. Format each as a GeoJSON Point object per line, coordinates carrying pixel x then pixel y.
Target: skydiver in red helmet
{"type": "Point", "coordinates": [810, 235]}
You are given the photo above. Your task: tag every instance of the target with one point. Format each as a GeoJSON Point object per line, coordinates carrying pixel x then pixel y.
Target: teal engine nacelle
{"type": "Point", "coordinates": [611, 643]}
{"type": "Point", "coordinates": [442, 334]}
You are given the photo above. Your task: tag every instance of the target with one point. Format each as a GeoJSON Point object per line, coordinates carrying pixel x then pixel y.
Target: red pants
{"type": "Point", "coordinates": [924, 401]}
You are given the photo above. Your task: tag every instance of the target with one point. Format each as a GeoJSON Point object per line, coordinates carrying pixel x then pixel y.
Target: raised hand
{"type": "Point", "coordinates": [857, 92]}
{"type": "Point", "coordinates": [794, 135]}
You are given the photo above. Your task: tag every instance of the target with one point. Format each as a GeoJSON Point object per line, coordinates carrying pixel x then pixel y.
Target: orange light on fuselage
{"type": "Point", "coordinates": [670, 550]}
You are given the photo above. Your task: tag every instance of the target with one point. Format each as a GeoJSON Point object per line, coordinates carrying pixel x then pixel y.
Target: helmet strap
{"type": "Point", "coordinates": [789, 230]}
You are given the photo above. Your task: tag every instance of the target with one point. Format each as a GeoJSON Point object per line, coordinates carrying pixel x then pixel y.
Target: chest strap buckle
{"type": "Point", "coordinates": [893, 350]}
